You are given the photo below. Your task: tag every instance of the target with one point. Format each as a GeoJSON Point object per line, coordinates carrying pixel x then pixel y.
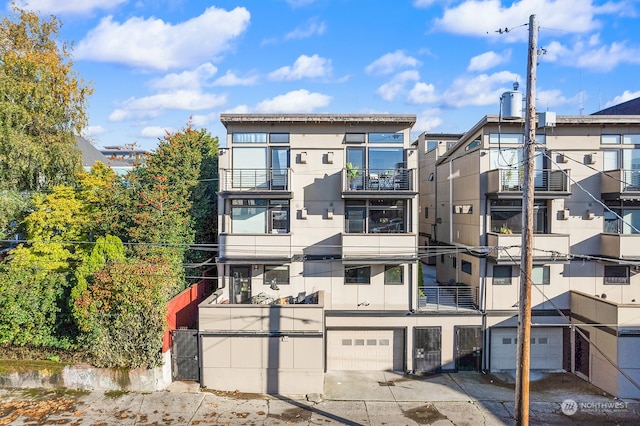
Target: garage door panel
{"type": "Point", "coordinates": [546, 348]}
{"type": "Point", "coordinates": [373, 350]}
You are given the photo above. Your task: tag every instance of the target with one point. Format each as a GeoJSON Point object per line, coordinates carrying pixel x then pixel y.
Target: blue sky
{"type": "Point", "coordinates": [155, 63]}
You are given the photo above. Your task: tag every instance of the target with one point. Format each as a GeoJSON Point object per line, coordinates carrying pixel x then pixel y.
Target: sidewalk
{"type": "Point", "coordinates": [374, 398]}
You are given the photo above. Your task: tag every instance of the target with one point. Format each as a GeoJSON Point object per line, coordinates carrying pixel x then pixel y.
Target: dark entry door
{"type": "Point", "coordinates": [582, 352]}
{"type": "Point", "coordinates": [468, 348]}
{"type": "Point", "coordinates": [184, 354]}
{"type": "Point", "coordinates": [427, 352]}
{"type": "Point", "coordinates": [241, 279]}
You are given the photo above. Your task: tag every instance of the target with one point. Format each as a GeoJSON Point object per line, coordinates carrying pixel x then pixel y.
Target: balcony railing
{"type": "Point", "coordinates": [255, 179]}
{"type": "Point", "coordinates": [508, 247]}
{"type": "Point", "coordinates": [621, 181]}
{"type": "Point", "coordinates": [512, 180]}
{"type": "Point", "coordinates": [448, 298]}
{"type": "Point", "coordinates": [380, 180]}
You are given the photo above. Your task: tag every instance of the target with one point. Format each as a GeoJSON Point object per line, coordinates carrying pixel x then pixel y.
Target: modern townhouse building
{"type": "Point", "coordinates": [317, 262]}
{"type": "Point", "coordinates": [586, 245]}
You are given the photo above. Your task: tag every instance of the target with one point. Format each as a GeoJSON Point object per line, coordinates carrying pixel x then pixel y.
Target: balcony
{"type": "Point", "coordinates": [548, 184]}
{"type": "Point", "coordinates": [257, 182]}
{"type": "Point", "coordinates": [398, 183]}
{"type": "Point", "coordinates": [620, 184]}
{"type": "Point", "coordinates": [505, 248]}
{"type": "Point", "coordinates": [620, 246]}
{"type": "Point", "coordinates": [448, 298]}
{"type": "Point", "coordinates": [255, 248]}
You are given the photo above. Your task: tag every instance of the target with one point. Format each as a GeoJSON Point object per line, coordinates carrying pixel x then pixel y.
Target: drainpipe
{"type": "Point", "coordinates": [483, 289]}
{"type": "Point", "coordinates": [451, 200]}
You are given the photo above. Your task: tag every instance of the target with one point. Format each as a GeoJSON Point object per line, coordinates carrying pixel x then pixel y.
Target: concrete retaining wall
{"type": "Point", "coordinates": [85, 377]}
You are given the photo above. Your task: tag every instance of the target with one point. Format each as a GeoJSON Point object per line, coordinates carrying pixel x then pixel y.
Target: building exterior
{"type": "Point", "coordinates": [317, 262]}
{"type": "Point", "coordinates": [586, 286]}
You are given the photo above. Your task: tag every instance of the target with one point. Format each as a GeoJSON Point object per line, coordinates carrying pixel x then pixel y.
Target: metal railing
{"type": "Point", "coordinates": [544, 180]}
{"type": "Point", "coordinates": [380, 180]}
{"type": "Point", "coordinates": [447, 298]}
{"type": "Point", "coordinates": [255, 179]}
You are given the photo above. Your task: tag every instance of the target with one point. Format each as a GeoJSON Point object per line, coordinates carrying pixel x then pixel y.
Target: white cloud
{"type": "Point", "coordinates": [624, 97]}
{"type": "Point", "coordinates": [312, 28]}
{"type": "Point", "coordinates": [152, 106]}
{"type": "Point", "coordinates": [479, 17]}
{"type": "Point", "coordinates": [71, 7]}
{"type": "Point", "coordinates": [90, 132]}
{"type": "Point", "coordinates": [238, 109]}
{"type": "Point", "coordinates": [427, 120]}
{"type": "Point", "coordinates": [488, 60]}
{"type": "Point", "coordinates": [153, 43]}
{"type": "Point", "coordinates": [481, 90]}
{"type": "Point", "coordinates": [396, 85]}
{"type": "Point", "coordinates": [422, 93]}
{"type": "Point", "coordinates": [230, 79]}
{"type": "Point", "coordinates": [199, 120]}
{"type": "Point", "coordinates": [155, 131]}
{"type": "Point", "coordinates": [554, 98]}
{"type": "Point", "coordinates": [186, 79]}
{"type": "Point", "coordinates": [304, 67]}
{"type": "Point", "coordinates": [301, 101]}
{"type": "Point", "coordinates": [592, 55]}
{"type": "Point", "coordinates": [390, 62]}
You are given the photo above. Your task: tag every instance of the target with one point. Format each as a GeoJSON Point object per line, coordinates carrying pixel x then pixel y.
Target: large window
{"type": "Point", "coordinates": [506, 216]}
{"type": "Point", "coordinates": [375, 216]}
{"type": "Point", "coordinates": [629, 211]}
{"type": "Point", "coordinates": [386, 137]}
{"type": "Point", "coordinates": [502, 275]}
{"type": "Point", "coordinates": [393, 274]}
{"type": "Point", "coordinates": [616, 274]}
{"type": "Point", "coordinates": [249, 138]}
{"type": "Point", "coordinates": [357, 274]}
{"type": "Point", "coordinates": [274, 275]}
{"type": "Point", "coordinates": [259, 216]}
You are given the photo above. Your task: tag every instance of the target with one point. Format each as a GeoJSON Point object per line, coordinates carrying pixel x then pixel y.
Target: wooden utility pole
{"type": "Point", "coordinates": [523, 361]}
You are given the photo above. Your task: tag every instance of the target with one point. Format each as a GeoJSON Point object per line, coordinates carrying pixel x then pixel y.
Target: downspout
{"type": "Point", "coordinates": [483, 292]}
{"type": "Point", "coordinates": [451, 200]}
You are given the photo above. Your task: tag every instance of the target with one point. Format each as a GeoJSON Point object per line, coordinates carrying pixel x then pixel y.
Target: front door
{"type": "Point", "coordinates": [468, 348]}
{"type": "Point", "coordinates": [241, 284]}
{"type": "Point", "coordinates": [427, 345]}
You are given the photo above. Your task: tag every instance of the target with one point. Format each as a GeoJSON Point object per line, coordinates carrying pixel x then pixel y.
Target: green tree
{"type": "Point", "coordinates": [174, 193]}
{"type": "Point", "coordinates": [42, 106]}
{"type": "Point", "coordinates": [123, 312]}
{"type": "Point", "coordinates": [30, 302]}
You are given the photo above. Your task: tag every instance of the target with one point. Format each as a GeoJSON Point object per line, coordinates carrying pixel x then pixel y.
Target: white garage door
{"type": "Point", "coordinates": [376, 350]}
{"type": "Point", "coordinates": [546, 348]}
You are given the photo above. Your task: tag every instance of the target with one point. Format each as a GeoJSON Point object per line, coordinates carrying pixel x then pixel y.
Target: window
{"type": "Point", "coordinates": [502, 275]}
{"type": "Point", "coordinates": [616, 274]}
{"type": "Point", "coordinates": [393, 274]}
{"type": "Point", "coordinates": [465, 267]}
{"type": "Point", "coordinates": [431, 145]}
{"type": "Point", "coordinates": [542, 340]}
{"type": "Point", "coordinates": [383, 342]}
{"type": "Point", "coordinates": [249, 137]}
{"type": "Point", "coordinates": [279, 137]}
{"type": "Point", "coordinates": [372, 342]}
{"type": "Point", "coordinates": [506, 216]}
{"type": "Point", "coordinates": [454, 262]}
{"type": "Point", "coordinates": [354, 138]}
{"type": "Point", "coordinates": [426, 212]}
{"type": "Point", "coordinates": [442, 258]}
{"type": "Point", "coordinates": [375, 216]}
{"type": "Point", "coordinates": [346, 342]}
{"type": "Point", "coordinates": [259, 216]}
{"type": "Point", "coordinates": [540, 275]}
{"type": "Point", "coordinates": [609, 139]}
{"type": "Point", "coordinates": [506, 138]}
{"type": "Point", "coordinates": [631, 139]}
{"type": "Point", "coordinates": [386, 137]}
{"type": "Point", "coordinates": [357, 275]}
{"type": "Point", "coordinates": [473, 144]}
{"type": "Point", "coordinates": [276, 274]}
{"type": "Point", "coordinates": [629, 211]}
{"type": "Point", "coordinates": [506, 341]}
